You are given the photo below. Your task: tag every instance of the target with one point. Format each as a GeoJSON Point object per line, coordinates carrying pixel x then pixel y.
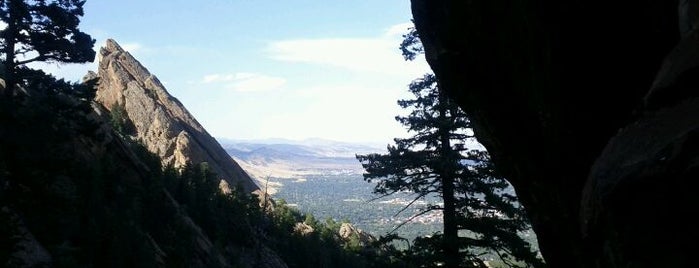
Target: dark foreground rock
{"type": "Point", "coordinates": [589, 110]}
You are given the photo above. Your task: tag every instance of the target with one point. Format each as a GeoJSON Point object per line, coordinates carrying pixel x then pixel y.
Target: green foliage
{"type": "Point", "coordinates": [42, 31]}
{"type": "Point", "coordinates": [118, 119]}
{"type": "Point", "coordinates": [310, 220]}
{"type": "Point", "coordinates": [321, 248]}
{"type": "Point", "coordinates": [114, 210]}
{"type": "Point", "coordinates": [226, 218]}
{"type": "Point", "coordinates": [411, 46]}
{"type": "Point", "coordinates": [480, 216]}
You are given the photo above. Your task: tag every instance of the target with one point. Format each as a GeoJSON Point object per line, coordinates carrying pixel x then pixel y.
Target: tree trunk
{"type": "Point", "coordinates": [451, 231]}
{"type": "Point", "coordinates": [9, 63]}
{"type": "Point", "coordinates": [451, 246]}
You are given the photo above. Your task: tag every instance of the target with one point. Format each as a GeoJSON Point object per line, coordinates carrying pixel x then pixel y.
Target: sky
{"type": "Point", "coordinates": [269, 69]}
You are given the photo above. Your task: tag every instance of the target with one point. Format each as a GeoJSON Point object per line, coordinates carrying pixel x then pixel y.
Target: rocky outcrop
{"type": "Point", "coordinates": [548, 90]}
{"type": "Point", "coordinates": [348, 232]}
{"type": "Point", "coordinates": [303, 229]}
{"type": "Point", "coordinates": [158, 120]}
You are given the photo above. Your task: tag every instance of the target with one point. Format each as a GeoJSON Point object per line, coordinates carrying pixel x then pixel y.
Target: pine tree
{"type": "Point", "coordinates": [42, 30]}
{"type": "Point", "coordinates": [480, 215]}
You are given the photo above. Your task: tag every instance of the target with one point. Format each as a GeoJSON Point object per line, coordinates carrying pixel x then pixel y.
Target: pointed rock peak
{"type": "Point", "coordinates": [112, 46]}
{"type": "Point", "coordinates": [158, 120]}
{"type": "Point", "coordinates": [117, 68]}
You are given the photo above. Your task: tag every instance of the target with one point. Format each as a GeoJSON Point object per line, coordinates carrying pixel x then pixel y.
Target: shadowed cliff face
{"type": "Point", "coordinates": [548, 86]}
{"type": "Point", "coordinates": [158, 120]}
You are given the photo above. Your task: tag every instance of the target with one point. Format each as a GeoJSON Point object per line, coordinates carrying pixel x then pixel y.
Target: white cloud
{"type": "Point", "coordinates": [213, 78]}
{"type": "Point", "coordinates": [357, 113]}
{"type": "Point", "coordinates": [245, 82]}
{"type": "Point", "coordinates": [132, 48]}
{"type": "Point", "coordinates": [399, 30]}
{"type": "Point", "coordinates": [69, 71]}
{"type": "Point", "coordinates": [376, 54]}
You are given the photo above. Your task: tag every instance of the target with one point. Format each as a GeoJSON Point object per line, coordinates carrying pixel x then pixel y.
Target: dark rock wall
{"type": "Point", "coordinates": [547, 85]}
{"type": "Point", "coordinates": [640, 191]}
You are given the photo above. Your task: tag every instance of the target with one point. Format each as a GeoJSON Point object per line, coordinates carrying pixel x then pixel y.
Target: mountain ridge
{"type": "Point", "coordinates": [280, 158]}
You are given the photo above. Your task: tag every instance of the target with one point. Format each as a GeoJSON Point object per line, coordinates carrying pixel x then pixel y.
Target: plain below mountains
{"type": "Point", "coordinates": [281, 158]}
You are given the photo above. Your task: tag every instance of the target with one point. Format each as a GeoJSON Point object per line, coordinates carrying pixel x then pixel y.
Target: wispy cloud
{"type": "Point", "coordinates": [245, 82]}
{"type": "Point", "coordinates": [216, 78]}
{"type": "Point", "coordinates": [132, 48]}
{"type": "Point", "coordinates": [398, 30]}
{"type": "Point", "coordinates": [378, 54]}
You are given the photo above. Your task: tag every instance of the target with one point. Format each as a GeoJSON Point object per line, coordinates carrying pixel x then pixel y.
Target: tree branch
{"type": "Point", "coordinates": [413, 217]}
{"type": "Point", "coordinates": [382, 196]}
{"type": "Point", "coordinates": [37, 58]}
{"type": "Point", "coordinates": [410, 204]}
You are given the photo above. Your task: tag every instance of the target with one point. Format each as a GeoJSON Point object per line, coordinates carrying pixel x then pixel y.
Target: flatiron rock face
{"type": "Point", "coordinates": [159, 120]}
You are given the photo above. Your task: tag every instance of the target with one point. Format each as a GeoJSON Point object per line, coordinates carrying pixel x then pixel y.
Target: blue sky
{"type": "Point", "coordinates": [262, 69]}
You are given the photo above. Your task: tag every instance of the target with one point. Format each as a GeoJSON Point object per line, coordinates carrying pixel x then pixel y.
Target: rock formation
{"type": "Point", "coordinates": [159, 120]}
{"type": "Point", "coordinates": [348, 231]}
{"type": "Point", "coordinates": [303, 229]}
{"type": "Point", "coordinates": [558, 92]}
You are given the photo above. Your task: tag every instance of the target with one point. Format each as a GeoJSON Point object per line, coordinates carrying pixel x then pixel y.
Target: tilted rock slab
{"type": "Point", "coordinates": [159, 120]}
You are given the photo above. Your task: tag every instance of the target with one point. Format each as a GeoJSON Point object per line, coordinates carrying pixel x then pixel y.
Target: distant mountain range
{"type": "Point", "coordinates": [281, 158]}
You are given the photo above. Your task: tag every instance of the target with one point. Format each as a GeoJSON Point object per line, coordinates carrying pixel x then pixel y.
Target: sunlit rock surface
{"type": "Point", "coordinates": [159, 120]}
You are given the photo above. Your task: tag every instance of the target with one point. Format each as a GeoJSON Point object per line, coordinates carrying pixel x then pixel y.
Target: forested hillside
{"type": "Point", "coordinates": [75, 192]}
